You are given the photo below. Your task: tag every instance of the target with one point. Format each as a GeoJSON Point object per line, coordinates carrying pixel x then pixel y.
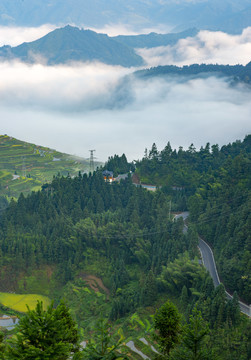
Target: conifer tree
{"type": "Point", "coordinates": [45, 335]}
{"type": "Point", "coordinates": [167, 325]}
{"type": "Point", "coordinates": [2, 346]}
{"type": "Point", "coordinates": [103, 345]}
{"type": "Point", "coordinates": [193, 346]}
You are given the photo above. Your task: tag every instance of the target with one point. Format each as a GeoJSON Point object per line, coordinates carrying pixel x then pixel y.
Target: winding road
{"type": "Point", "coordinates": [209, 263]}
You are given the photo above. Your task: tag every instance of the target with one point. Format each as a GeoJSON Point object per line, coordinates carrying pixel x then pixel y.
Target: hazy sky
{"type": "Point", "coordinates": [79, 107]}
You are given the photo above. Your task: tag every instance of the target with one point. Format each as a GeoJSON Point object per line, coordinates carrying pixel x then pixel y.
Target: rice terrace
{"type": "Point", "coordinates": [26, 167]}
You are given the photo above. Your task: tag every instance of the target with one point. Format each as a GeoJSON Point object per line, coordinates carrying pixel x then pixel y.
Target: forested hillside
{"type": "Point", "coordinates": [221, 209]}
{"type": "Point", "coordinates": [114, 249]}
{"type": "Point", "coordinates": [71, 219]}
{"type": "Point", "coordinates": [235, 72]}
{"type": "Point", "coordinates": [214, 185]}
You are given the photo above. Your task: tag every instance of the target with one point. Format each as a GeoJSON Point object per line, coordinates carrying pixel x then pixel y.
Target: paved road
{"type": "Point", "coordinates": [209, 263]}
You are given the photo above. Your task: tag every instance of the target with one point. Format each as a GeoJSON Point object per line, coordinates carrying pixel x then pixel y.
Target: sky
{"type": "Point", "coordinates": [77, 107]}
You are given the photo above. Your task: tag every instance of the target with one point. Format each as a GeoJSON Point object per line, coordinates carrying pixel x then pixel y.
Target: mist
{"type": "Point", "coordinates": [77, 107]}
{"type": "Point", "coordinates": [13, 36]}
{"type": "Point", "coordinates": [207, 47]}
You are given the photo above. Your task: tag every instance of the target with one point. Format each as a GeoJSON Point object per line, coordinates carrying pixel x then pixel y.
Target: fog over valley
{"type": "Point", "coordinates": [125, 202]}
{"type": "Point", "coordinates": [82, 106]}
{"type": "Point", "coordinates": [207, 47]}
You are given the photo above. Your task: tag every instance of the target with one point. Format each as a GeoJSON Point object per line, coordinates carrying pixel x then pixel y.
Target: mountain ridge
{"type": "Point", "coordinates": [226, 15]}
{"type": "Point", "coordinates": [154, 39]}
{"type": "Point", "coordinates": [237, 72]}
{"type": "Point", "coordinates": [69, 44]}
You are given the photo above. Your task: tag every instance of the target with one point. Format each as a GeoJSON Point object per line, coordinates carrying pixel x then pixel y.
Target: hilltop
{"type": "Point", "coordinates": [69, 44]}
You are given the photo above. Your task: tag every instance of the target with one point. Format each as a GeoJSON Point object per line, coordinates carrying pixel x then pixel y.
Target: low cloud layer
{"type": "Point", "coordinates": [127, 29]}
{"type": "Point", "coordinates": [75, 88]}
{"type": "Point", "coordinates": [14, 36]}
{"type": "Point", "coordinates": [79, 107]}
{"type": "Point", "coordinates": [76, 108]}
{"type": "Point", "coordinates": [207, 47]}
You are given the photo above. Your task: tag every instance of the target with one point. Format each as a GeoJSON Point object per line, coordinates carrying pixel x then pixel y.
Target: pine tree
{"type": "Point", "coordinates": [102, 345]}
{"type": "Point", "coordinates": [2, 346]}
{"type": "Point", "coordinates": [45, 335]}
{"type": "Point", "coordinates": [193, 346]}
{"type": "Point", "coordinates": [167, 325]}
{"type": "Point", "coordinates": [149, 291]}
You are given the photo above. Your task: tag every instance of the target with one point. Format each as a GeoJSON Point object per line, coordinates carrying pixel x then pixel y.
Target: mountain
{"type": "Point", "coordinates": [227, 15]}
{"type": "Point", "coordinates": [72, 44]}
{"type": "Point", "coordinates": [153, 39]}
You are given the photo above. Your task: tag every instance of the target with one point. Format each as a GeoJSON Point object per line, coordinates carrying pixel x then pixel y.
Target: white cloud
{"type": "Point", "coordinates": [80, 106]}
{"type": "Point", "coordinates": [122, 29]}
{"type": "Point", "coordinates": [207, 47]}
{"type": "Point", "coordinates": [14, 36]}
{"type": "Point", "coordinates": [63, 88]}
{"type": "Point", "coordinates": [75, 108]}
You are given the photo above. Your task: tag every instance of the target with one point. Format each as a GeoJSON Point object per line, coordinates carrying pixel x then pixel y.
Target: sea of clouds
{"type": "Point", "coordinates": [207, 47]}
{"type": "Point", "coordinates": [77, 107]}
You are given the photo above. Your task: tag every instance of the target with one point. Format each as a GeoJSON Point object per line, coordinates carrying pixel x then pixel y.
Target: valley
{"type": "Point", "coordinates": [112, 249]}
{"type": "Point", "coordinates": [138, 246]}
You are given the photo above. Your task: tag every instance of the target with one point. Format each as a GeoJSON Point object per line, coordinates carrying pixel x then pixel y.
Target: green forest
{"type": "Point", "coordinates": [237, 73]}
{"type": "Point", "coordinates": [122, 264]}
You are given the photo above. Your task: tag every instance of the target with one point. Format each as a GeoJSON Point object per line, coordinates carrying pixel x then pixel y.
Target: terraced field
{"type": "Point", "coordinates": [24, 167]}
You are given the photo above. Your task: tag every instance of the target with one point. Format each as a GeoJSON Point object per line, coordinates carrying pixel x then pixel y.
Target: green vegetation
{"type": "Point", "coordinates": [214, 185]}
{"type": "Point", "coordinates": [194, 342]}
{"type": "Point", "coordinates": [113, 249]}
{"type": "Point", "coordinates": [18, 302]}
{"type": "Point", "coordinates": [167, 324]}
{"type": "Point", "coordinates": [118, 165]}
{"type": "Point", "coordinates": [103, 345]}
{"type": "Point", "coordinates": [25, 167]}
{"type": "Point", "coordinates": [50, 334]}
{"type": "Point", "coordinates": [236, 72]}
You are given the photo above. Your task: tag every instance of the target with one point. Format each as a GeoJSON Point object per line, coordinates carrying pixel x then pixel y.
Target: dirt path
{"type": "Point", "coordinates": [95, 283]}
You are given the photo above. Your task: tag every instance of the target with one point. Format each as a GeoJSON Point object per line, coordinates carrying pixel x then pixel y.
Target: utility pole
{"type": "Point", "coordinates": [92, 160]}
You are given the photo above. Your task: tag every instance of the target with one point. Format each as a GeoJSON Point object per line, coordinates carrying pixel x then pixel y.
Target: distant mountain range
{"type": "Point", "coordinates": [153, 39]}
{"type": "Point", "coordinates": [236, 72]}
{"type": "Point", "coordinates": [227, 15]}
{"type": "Point", "coordinates": [69, 44]}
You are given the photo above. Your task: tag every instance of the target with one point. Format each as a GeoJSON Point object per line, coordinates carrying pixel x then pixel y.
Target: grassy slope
{"type": "Point", "coordinates": [38, 163]}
